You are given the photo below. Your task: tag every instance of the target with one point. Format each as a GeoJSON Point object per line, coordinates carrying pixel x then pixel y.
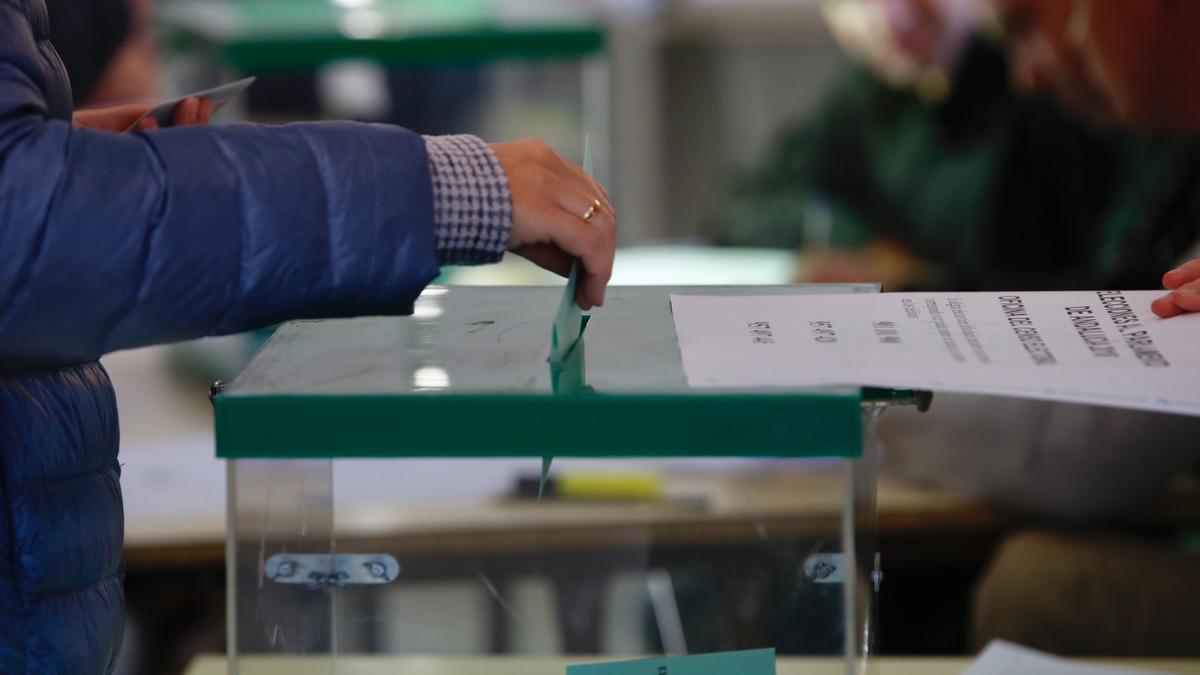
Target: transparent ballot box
{"type": "Point", "coordinates": [384, 479]}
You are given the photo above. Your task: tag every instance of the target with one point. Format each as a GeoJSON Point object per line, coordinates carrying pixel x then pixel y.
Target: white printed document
{"type": "Point", "coordinates": [1099, 347]}
{"type": "Point", "coordinates": [1005, 658]}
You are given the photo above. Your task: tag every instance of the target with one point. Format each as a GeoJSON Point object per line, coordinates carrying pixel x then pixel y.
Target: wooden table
{"type": "Point", "coordinates": [416, 665]}
{"type": "Point", "coordinates": [701, 509]}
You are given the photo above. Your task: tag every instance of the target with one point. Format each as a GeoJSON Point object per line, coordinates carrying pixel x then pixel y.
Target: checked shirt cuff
{"type": "Point", "coordinates": [472, 205]}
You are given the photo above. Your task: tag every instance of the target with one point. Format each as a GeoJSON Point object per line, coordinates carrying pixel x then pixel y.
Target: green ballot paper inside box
{"type": "Point", "coordinates": [753, 662]}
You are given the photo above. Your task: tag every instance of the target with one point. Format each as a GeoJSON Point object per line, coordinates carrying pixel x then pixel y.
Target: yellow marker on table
{"type": "Point", "coordinates": [610, 487]}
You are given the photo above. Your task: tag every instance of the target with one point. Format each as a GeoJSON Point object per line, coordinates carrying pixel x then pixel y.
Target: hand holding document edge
{"type": "Point", "coordinates": [1093, 347]}
{"type": "Point", "coordinates": [1183, 282]}
{"type": "Point", "coordinates": [219, 96]}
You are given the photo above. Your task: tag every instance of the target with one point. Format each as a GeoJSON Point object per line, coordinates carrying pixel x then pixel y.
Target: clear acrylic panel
{"type": "Point", "coordinates": [337, 566]}
{"type": "Point", "coordinates": [276, 510]}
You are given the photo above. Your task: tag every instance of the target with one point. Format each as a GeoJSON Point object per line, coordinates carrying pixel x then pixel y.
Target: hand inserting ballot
{"type": "Point", "coordinates": [1184, 284]}
{"type": "Point", "coordinates": [560, 214]}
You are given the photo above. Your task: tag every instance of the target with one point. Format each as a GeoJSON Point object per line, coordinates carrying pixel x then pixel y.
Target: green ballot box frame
{"type": "Point", "coordinates": [468, 375]}
{"type": "Point", "coordinates": [263, 37]}
{"type": "Point", "coordinates": [401, 387]}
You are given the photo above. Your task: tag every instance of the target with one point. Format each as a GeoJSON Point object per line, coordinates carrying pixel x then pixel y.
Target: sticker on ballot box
{"type": "Point", "coordinates": [754, 662]}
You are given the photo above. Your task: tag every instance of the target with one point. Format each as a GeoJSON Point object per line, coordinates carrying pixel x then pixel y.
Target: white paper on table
{"type": "Point", "coordinates": [1005, 658]}
{"type": "Point", "coordinates": [1097, 347]}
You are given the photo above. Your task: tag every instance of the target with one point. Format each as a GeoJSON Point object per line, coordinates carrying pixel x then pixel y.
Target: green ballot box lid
{"type": "Point", "coordinates": [468, 375]}
{"type": "Point", "coordinates": [258, 37]}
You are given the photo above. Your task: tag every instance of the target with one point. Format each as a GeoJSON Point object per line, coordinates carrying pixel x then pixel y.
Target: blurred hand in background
{"type": "Point", "coordinates": [117, 119]}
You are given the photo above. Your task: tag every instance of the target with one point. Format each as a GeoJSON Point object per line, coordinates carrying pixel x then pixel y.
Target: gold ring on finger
{"type": "Point", "coordinates": [591, 212]}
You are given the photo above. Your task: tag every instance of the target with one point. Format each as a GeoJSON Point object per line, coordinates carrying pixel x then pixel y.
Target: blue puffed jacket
{"type": "Point", "coordinates": [113, 241]}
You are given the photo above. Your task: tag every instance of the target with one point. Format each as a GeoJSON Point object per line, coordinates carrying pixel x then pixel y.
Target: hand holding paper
{"type": "Point", "coordinates": [136, 116]}
{"type": "Point", "coordinates": [1184, 284]}
{"type": "Point", "coordinates": [181, 111]}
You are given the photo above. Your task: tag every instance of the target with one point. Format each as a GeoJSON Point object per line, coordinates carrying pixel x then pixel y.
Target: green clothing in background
{"type": "Point", "coordinates": [996, 190]}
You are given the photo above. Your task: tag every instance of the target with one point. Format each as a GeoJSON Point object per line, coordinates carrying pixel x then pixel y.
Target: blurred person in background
{"type": "Point", "coordinates": [1144, 57]}
{"type": "Point", "coordinates": [1021, 449]}
{"type": "Point", "coordinates": [117, 240]}
{"type": "Point", "coordinates": [1135, 64]}
{"type": "Point", "coordinates": [1111, 594]}
{"type": "Point", "coordinates": [1012, 176]}
{"type": "Point", "coordinates": [108, 48]}
{"type": "Point", "coordinates": [958, 170]}
{"type": "Point", "coordinates": [954, 163]}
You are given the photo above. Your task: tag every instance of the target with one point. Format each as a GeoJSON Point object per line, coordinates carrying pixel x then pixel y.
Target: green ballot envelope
{"type": "Point", "coordinates": [568, 322]}
{"type": "Point", "coordinates": [753, 662]}
{"type": "Point", "coordinates": [372, 505]}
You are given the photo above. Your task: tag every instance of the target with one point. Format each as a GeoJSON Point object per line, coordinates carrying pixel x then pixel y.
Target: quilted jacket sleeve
{"type": "Point", "coordinates": [115, 241]}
